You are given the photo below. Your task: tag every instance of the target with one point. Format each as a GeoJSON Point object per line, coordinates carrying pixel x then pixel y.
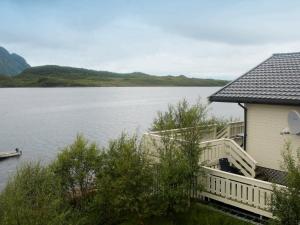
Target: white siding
{"type": "Point", "coordinates": [264, 141]}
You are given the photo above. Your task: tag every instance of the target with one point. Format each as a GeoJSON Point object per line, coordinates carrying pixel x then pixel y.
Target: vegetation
{"type": "Point", "coordinates": [286, 202]}
{"type": "Point", "coordinates": [56, 76]}
{"type": "Point", "coordinates": [75, 169]}
{"type": "Point", "coordinates": [32, 196]}
{"type": "Point", "coordinates": [124, 183]}
{"type": "Point", "coordinates": [181, 115]}
{"type": "Point", "coordinates": [179, 167]}
{"type": "Point", "coordinates": [118, 184]}
{"type": "Point", "coordinates": [198, 214]}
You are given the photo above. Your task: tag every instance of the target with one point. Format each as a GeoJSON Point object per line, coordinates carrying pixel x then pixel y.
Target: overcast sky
{"type": "Point", "coordinates": [220, 38]}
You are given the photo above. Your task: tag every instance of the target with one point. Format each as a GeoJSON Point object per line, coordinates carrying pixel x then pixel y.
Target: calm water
{"type": "Point", "coordinates": [42, 121]}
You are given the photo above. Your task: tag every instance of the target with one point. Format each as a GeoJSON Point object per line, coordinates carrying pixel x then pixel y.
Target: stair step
{"type": "Point", "coordinates": [225, 166]}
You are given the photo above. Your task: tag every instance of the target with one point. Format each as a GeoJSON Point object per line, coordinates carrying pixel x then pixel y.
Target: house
{"type": "Point", "coordinates": [239, 173]}
{"type": "Point", "coordinates": [267, 93]}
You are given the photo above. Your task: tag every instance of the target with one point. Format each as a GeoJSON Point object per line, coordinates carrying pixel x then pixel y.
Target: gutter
{"type": "Point", "coordinates": [251, 100]}
{"type": "Point", "coordinates": [245, 124]}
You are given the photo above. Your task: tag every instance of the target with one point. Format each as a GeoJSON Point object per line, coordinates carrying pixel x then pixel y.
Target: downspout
{"type": "Point", "coordinates": [245, 125]}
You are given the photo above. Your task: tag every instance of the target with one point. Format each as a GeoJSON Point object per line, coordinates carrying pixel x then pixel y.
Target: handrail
{"type": "Point", "coordinates": [222, 148]}
{"type": "Point", "coordinates": [231, 129]}
{"type": "Point", "coordinates": [240, 151]}
{"type": "Point", "coordinates": [230, 124]}
{"type": "Point", "coordinates": [178, 130]}
{"type": "Point", "coordinates": [207, 133]}
{"type": "Point", "coordinates": [227, 148]}
{"type": "Point", "coordinates": [247, 193]}
{"type": "Point", "coordinates": [222, 133]}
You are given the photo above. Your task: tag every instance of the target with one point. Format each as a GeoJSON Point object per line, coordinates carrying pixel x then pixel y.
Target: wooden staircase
{"type": "Point", "coordinates": [224, 165]}
{"type": "Point", "coordinates": [227, 148]}
{"type": "Point", "coordinates": [231, 173]}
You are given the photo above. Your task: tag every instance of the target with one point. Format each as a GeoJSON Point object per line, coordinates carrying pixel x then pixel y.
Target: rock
{"type": "Point", "coordinates": [11, 64]}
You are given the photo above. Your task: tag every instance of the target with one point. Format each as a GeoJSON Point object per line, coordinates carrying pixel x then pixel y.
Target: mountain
{"type": "Point", "coordinates": [58, 76]}
{"type": "Point", "coordinates": [11, 64]}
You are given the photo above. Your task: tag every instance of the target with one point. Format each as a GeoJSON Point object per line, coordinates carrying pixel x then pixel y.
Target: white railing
{"type": "Point", "coordinates": [231, 130]}
{"type": "Point", "coordinates": [208, 132]}
{"type": "Point", "coordinates": [243, 192]}
{"type": "Point", "coordinates": [213, 150]}
{"type": "Point", "coordinates": [227, 148]}
{"type": "Point", "coordinates": [236, 128]}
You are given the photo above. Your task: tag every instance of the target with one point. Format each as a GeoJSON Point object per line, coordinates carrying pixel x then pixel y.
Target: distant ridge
{"type": "Point", "coordinates": [59, 76]}
{"type": "Point", "coordinates": [16, 72]}
{"type": "Point", "coordinates": [11, 64]}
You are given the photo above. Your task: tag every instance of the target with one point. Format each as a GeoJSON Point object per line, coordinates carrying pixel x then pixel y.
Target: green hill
{"type": "Point", "coordinates": [57, 76]}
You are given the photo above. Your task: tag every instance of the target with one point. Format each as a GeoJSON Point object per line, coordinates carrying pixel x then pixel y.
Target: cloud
{"type": "Point", "coordinates": [201, 39]}
{"type": "Point", "coordinates": [236, 22]}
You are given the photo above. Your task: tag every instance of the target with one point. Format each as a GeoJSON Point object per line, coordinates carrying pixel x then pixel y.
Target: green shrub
{"type": "Point", "coordinates": [181, 115]}
{"type": "Point", "coordinates": [178, 167]}
{"type": "Point", "coordinates": [76, 167]}
{"type": "Point", "coordinates": [285, 204]}
{"type": "Point", "coordinates": [124, 182]}
{"type": "Point", "coordinates": [33, 197]}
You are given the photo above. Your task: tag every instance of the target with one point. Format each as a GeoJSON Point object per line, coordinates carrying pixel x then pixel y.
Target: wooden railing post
{"type": "Point", "coordinates": [228, 131]}
{"type": "Point", "coordinates": [215, 132]}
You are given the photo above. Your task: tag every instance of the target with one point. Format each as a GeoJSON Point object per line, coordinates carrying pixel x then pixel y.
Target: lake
{"type": "Point", "coordinates": [41, 121]}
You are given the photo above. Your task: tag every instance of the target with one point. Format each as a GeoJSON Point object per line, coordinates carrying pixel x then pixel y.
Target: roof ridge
{"type": "Point", "coordinates": [286, 53]}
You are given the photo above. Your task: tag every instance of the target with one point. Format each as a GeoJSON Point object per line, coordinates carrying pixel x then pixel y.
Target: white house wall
{"type": "Point", "coordinates": [264, 141]}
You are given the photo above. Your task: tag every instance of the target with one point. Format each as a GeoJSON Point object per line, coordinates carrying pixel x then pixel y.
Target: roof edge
{"type": "Point", "coordinates": [266, 101]}
{"type": "Point", "coordinates": [239, 77]}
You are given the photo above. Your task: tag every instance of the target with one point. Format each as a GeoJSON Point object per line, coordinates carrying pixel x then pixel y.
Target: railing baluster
{"type": "Point", "coordinates": [223, 187]}
{"type": "Point", "coordinates": [218, 192]}
{"type": "Point", "coordinates": [256, 196]}
{"type": "Point", "coordinates": [247, 193]}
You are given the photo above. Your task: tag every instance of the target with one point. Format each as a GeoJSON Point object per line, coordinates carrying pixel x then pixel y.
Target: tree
{"type": "Point", "coordinates": [32, 196]}
{"type": "Point", "coordinates": [182, 128]}
{"type": "Point", "coordinates": [173, 179]}
{"type": "Point", "coordinates": [286, 201]}
{"type": "Point", "coordinates": [181, 115]}
{"type": "Point", "coordinates": [124, 182]}
{"type": "Point", "coordinates": [76, 168]}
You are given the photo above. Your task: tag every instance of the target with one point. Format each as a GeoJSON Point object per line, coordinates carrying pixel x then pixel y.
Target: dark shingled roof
{"type": "Point", "coordinates": [274, 81]}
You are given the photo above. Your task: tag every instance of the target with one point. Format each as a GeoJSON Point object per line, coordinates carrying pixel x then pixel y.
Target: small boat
{"type": "Point", "coordinates": [4, 155]}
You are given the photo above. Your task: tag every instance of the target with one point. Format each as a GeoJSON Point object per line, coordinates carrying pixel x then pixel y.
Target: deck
{"type": "Point", "coordinates": [239, 190]}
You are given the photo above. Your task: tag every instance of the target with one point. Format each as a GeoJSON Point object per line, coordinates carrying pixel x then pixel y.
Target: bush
{"type": "Point", "coordinates": [181, 115]}
{"type": "Point", "coordinates": [76, 168]}
{"type": "Point", "coordinates": [124, 182]}
{"type": "Point", "coordinates": [173, 179]}
{"type": "Point", "coordinates": [178, 166]}
{"type": "Point", "coordinates": [193, 125]}
{"type": "Point", "coordinates": [286, 201]}
{"type": "Point", "coordinates": [32, 196]}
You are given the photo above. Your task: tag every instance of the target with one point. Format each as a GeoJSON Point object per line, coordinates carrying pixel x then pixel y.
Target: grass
{"type": "Point", "coordinates": [198, 215]}
{"type": "Point", "coordinates": [57, 76]}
